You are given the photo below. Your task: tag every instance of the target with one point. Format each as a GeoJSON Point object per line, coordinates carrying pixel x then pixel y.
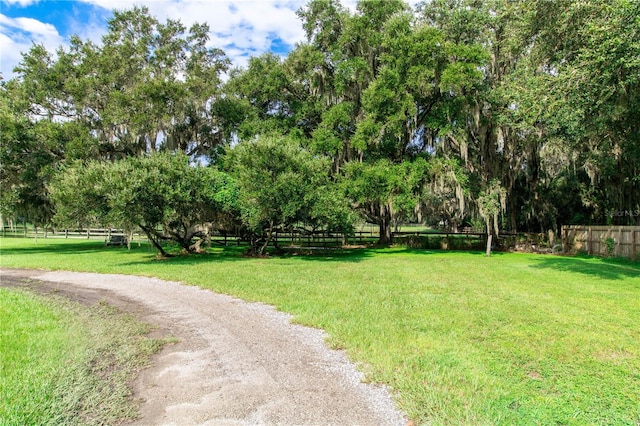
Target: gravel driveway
{"type": "Point", "coordinates": [236, 363]}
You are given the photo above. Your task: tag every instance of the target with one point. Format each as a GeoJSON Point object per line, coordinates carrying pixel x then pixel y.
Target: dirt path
{"type": "Point", "coordinates": [236, 363]}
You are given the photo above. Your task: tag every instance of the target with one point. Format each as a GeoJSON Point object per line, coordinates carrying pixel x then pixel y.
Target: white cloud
{"type": "Point", "coordinates": [242, 28]}
{"type": "Point", "coordinates": [18, 35]}
{"type": "Point", "coordinates": [90, 28]}
{"type": "Point", "coordinates": [22, 3]}
{"type": "Point", "coordinates": [32, 26]}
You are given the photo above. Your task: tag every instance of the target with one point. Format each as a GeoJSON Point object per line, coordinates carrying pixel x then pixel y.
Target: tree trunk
{"type": "Point", "coordinates": [186, 245]}
{"type": "Point", "coordinates": [153, 240]}
{"type": "Point", "coordinates": [253, 245]}
{"type": "Point", "coordinates": [512, 213]}
{"type": "Point", "coordinates": [489, 235]}
{"type": "Point", "coordinates": [197, 247]}
{"type": "Point", "coordinates": [384, 224]}
{"type": "Point", "coordinates": [489, 239]}
{"type": "Point", "coordinates": [268, 240]}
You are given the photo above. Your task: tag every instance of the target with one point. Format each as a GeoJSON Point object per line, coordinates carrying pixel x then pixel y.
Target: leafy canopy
{"type": "Point", "coordinates": [162, 194]}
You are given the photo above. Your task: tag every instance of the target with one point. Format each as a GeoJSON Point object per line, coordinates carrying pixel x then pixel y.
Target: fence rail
{"type": "Point", "coordinates": [295, 238]}
{"type": "Point", "coordinates": [283, 238]}
{"type": "Point", "coordinates": [33, 232]}
{"type": "Point", "coordinates": [322, 239]}
{"type": "Point", "coordinates": [618, 241]}
{"type": "Point", "coordinates": [574, 239]}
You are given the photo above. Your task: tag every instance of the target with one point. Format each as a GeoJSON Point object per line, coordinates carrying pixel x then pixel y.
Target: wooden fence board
{"type": "Point", "coordinates": [618, 241]}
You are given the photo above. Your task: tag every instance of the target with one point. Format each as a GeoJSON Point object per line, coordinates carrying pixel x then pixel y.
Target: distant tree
{"type": "Point", "coordinates": [147, 86]}
{"type": "Point", "coordinates": [30, 153]}
{"type": "Point", "coordinates": [491, 203]}
{"type": "Point", "coordinates": [264, 94]}
{"type": "Point", "coordinates": [161, 194]}
{"type": "Point", "coordinates": [445, 199]}
{"type": "Point", "coordinates": [383, 191]}
{"type": "Point", "coordinates": [593, 105]}
{"type": "Point", "coordinates": [282, 185]}
{"type": "Point", "coordinates": [555, 118]}
{"type": "Point", "coordinates": [540, 96]}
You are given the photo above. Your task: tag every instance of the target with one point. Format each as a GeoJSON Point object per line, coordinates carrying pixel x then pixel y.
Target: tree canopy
{"type": "Point", "coordinates": [388, 112]}
{"type": "Point", "coordinates": [160, 194]}
{"type": "Point", "coordinates": [282, 186]}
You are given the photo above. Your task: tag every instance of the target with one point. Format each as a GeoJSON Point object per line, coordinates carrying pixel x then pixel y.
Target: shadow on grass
{"type": "Point", "coordinates": [28, 247]}
{"type": "Point", "coordinates": [230, 253]}
{"type": "Point", "coordinates": [237, 254]}
{"type": "Point", "coordinates": [610, 269]}
{"type": "Point", "coordinates": [337, 255]}
{"type": "Point", "coordinates": [359, 254]}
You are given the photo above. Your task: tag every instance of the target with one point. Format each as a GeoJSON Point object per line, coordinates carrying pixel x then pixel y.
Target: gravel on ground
{"type": "Point", "coordinates": [235, 363]}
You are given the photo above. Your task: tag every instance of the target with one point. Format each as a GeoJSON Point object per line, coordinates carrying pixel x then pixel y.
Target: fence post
{"type": "Point", "coordinates": [589, 235]}
{"type": "Point", "coordinates": [633, 244]}
{"type": "Point", "coordinates": [88, 233]}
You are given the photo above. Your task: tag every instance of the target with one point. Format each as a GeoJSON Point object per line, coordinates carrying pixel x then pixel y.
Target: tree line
{"type": "Point", "coordinates": [514, 115]}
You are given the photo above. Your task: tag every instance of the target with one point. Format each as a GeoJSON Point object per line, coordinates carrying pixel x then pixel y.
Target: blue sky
{"type": "Point", "coordinates": [242, 28]}
{"type": "Point", "coordinates": [65, 16]}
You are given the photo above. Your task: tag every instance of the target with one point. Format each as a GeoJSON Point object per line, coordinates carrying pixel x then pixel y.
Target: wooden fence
{"type": "Point", "coordinates": [432, 240]}
{"type": "Point", "coordinates": [617, 241]}
{"type": "Point", "coordinates": [468, 239]}
{"type": "Point", "coordinates": [322, 239]}
{"type": "Point", "coordinates": [293, 239]}
{"type": "Point", "coordinates": [32, 232]}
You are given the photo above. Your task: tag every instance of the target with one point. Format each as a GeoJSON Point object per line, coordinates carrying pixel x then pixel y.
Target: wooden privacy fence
{"type": "Point", "coordinates": [618, 241]}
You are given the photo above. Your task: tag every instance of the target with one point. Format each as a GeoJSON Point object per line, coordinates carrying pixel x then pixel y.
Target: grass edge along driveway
{"type": "Point", "coordinates": [62, 362]}
{"type": "Point", "coordinates": [460, 338]}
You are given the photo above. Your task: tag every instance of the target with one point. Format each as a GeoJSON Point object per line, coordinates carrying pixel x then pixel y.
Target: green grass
{"type": "Point", "coordinates": [460, 338]}
{"type": "Point", "coordinates": [63, 363]}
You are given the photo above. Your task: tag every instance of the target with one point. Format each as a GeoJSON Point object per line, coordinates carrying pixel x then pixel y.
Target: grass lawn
{"type": "Point", "coordinates": [64, 363]}
{"type": "Point", "coordinates": [460, 338]}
